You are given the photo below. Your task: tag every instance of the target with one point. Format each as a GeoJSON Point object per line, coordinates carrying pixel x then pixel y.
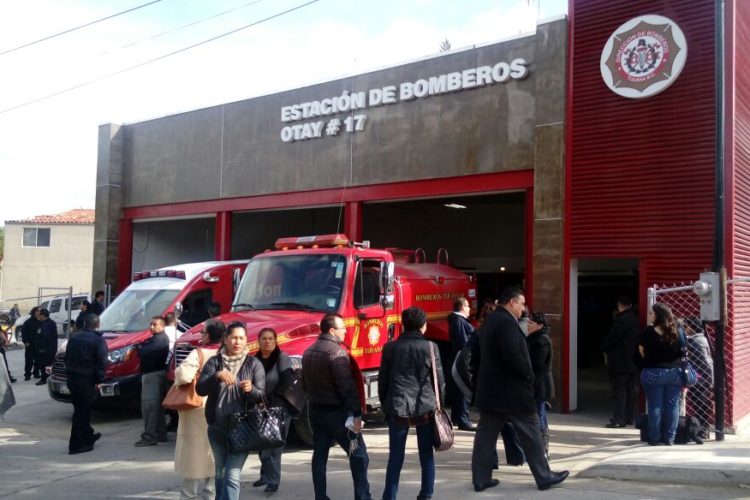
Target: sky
{"type": "Point", "coordinates": [48, 145]}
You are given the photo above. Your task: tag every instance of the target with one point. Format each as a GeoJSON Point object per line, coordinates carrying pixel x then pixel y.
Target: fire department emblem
{"type": "Point", "coordinates": [643, 56]}
{"type": "Point", "coordinates": [373, 335]}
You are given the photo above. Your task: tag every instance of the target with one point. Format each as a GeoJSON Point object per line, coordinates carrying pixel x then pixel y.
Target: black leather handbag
{"type": "Point", "coordinates": [259, 427]}
{"type": "Point", "coordinates": [293, 394]}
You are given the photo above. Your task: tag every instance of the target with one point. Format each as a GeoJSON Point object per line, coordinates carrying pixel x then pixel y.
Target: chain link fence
{"type": "Point", "coordinates": [701, 336]}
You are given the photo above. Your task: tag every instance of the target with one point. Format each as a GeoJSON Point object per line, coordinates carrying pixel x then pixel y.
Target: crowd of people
{"type": "Point", "coordinates": [502, 369]}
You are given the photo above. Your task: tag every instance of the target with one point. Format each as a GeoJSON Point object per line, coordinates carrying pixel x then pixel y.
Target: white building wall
{"type": "Point", "coordinates": [68, 261]}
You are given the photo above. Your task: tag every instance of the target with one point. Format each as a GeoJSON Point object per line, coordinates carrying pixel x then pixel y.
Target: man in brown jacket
{"type": "Point", "coordinates": [334, 403]}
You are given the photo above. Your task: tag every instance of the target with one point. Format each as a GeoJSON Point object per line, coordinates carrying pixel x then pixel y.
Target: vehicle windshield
{"type": "Point", "coordinates": [306, 282]}
{"type": "Point", "coordinates": [132, 310]}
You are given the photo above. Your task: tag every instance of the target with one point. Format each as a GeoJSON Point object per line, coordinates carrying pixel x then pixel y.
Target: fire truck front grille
{"type": "Point", "coordinates": [58, 367]}
{"type": "Point", "coordinates": [181, 352]}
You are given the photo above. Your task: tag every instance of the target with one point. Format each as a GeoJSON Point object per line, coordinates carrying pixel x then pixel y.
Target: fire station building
{"type": "Point", "coordinates": [579, 162]}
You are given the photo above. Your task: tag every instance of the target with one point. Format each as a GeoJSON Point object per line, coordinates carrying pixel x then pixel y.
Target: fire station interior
{"type": "Point", "coordinates": [483, 235]}
{"type": "Point", "coordinates": [599, 284]}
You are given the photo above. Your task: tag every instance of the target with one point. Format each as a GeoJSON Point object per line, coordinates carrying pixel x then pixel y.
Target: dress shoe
{"type": "Point", "coordinates": [655, 443]}
{"type": "Point", "coordinates": [82, 449]}
{"type": "Point", "coordinates": [468, 428]}
{"type": "Point", "coordinates": [41, 382]}
{"type": "Point", "coordinates": [259, 482]}
{"type": "Point", "coordinates": [614, 425]}
{"type": "Point", "coordinates": [13, 380]}
{"type": "Point", "coordinates": [272, 488]}
{"type": "Point", "coordinates": [555, 478]}
{"type": "Point", "coordinates": [489, 484]}
{"type": "Point", "coordinates": [27, 377]}
{"type": "Point", "coordinates": [96, 437]}
{"type": "Point", "coordinates": [145, 442]}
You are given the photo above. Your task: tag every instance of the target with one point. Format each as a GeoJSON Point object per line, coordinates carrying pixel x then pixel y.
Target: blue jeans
{"type": "Point", "coordinates": [541, 410]}
{"type": "Point", "coordinates": [228, 465]}
{"type": "Point", "coordinates": [396, 445]}
{"type": "Point", "coordinates": [328, 426]}
{"type": "Point", "coordinates": [662, 387]}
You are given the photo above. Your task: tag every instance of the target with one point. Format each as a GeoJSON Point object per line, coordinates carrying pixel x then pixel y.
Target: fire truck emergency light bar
{"type": "Point", "coordinates": [323, 240]}
{"type": "Point", "coordinates": [163, 273]}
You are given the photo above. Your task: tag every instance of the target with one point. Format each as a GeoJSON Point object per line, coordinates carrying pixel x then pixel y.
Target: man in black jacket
{"type": "Point", "coordinates": [334, 402]}
{"type": "Point", "coordinates": [505, 391]}
{"type": "Point", "coordinates": [459, 330]}
{"type": "Point", "coordinates": [85, 361]}
{"type": "Point", "coordinates": [620, 347]}
{"type": "Point", "coordinates": [45, 343]}
{"type": "Point", "coordinates": [153, 354]}
{"type": "Point", "coordinates": [28, 335]}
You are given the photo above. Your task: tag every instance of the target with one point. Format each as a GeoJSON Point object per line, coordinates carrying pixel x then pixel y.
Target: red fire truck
{"type": "Point", "coordinates": [290, 289]}
{"type": "Point", "coordinates": [187, 289]}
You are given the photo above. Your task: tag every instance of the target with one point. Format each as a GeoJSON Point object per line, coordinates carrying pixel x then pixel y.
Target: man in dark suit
{"type": "Point", "coordinates": [505, 392]}
{"type": "Point", "coordinates": [45, 343]}
{"type": "Point", "coordinates": [620, 347]}
{"type": "Point", "coordinates": [459, 330]}
{"type": "Point", "coordinates": [85, 361]}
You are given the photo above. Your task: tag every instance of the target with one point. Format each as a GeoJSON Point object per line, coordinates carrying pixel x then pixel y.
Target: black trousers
{"type": "Point", "coordinates": [42, 361]}
{"type": "Point", "coordinates": [82, 395]}
{"type": "Point", "coordinates": [623, 397]}
{"type": "Point", "coordinates": [485, 445]}
{"type": "Point", "coordinates": [29, 362]}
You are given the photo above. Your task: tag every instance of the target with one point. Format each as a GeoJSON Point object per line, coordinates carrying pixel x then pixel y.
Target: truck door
{"type": "Point", "coordinates": [371, 331]}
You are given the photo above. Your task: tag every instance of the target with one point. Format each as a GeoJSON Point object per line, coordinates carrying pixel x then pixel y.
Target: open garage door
{"type": "Point", "coordinates": [254, 232]}
{"type": "Point", "coordinates": [483, 234]}
{"type": "Point", "coordinates": [162, 243]}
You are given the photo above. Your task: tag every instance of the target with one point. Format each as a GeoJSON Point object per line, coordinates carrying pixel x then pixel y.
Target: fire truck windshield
{"type": "Point", "coordinates": [132, 310]}
{"type": "Point", "coordinates": [306, 282]}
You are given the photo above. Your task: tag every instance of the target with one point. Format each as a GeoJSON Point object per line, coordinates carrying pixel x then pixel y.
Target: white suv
{"type": "Point", "coordinates": [58, 308]}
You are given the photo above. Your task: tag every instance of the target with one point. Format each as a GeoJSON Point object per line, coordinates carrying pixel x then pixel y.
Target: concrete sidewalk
{"type": "Point", "coordinates": [581, 444]}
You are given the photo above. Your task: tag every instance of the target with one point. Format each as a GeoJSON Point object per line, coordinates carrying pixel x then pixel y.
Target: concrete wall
{"type": "Point", "coordinates": [68, 261]}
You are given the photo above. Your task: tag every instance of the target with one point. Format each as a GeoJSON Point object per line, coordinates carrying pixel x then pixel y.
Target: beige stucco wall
{"type": "Point", "coordinates": [68, 261]}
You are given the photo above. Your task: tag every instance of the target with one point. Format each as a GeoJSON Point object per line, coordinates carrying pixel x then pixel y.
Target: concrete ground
{"type": "Point", "coordinates": [604, 463]}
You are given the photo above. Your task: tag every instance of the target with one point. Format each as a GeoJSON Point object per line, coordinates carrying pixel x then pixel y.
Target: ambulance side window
{"type": "Point", "coordinates": [367, 284]}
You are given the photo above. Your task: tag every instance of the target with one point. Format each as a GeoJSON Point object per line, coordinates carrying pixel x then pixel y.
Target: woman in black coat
{"type": "Point", "coordinates": [540, 352]}
{"type": "Point", "coordinates": [231, 379]}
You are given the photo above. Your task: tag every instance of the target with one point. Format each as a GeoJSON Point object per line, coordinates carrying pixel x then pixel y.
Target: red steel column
{"type": "Point", "coordinates": [223, 236]}
{"type": "Point", "coordinates": [125, 254]}
{"type": "Point", "coordinates": [353, 220]}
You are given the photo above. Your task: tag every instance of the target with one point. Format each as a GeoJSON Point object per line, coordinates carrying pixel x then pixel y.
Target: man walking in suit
{"type": "Point", "coordinates": [505, 392]}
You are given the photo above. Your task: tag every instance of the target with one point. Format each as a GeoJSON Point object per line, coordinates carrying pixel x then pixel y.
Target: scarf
{"type": "Point", "coordinates": [232, 363]}
{"type": "Point", "coordinates": [270, 361]}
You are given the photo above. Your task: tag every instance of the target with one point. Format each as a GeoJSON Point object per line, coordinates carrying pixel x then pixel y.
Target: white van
{"type": "Point", "coordinates": [58, 308]}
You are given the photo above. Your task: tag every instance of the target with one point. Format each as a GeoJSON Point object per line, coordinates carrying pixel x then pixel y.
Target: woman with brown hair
{"type": "Point", "coordinates": [660, 378]}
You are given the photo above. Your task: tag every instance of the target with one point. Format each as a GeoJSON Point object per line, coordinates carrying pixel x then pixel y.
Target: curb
{"type": "Point", "coordinates": [668, 474]}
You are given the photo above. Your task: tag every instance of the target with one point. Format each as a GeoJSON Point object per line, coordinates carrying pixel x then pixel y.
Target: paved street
{"type": "Point", "coordinates": [34, 462]}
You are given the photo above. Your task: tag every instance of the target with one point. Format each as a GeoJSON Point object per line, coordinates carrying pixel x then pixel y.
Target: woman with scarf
{"type": "Point", "coordinates": [231, 379]}
{"type": "Point", "coordinates": [192, 452]}
{"type": "Point", "coordinates": [278, 368]}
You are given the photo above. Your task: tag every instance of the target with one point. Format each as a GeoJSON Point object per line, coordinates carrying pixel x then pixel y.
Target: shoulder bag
{"type": "Point", "coordinates": [688, 375]}
{"type": "Point", "coordinates": [183, 397]}
{"type": "Point", "coordinates": [258, 427]}
{"type": "Point", "coordinates": [443, 439]}
{"type": "Point", "coordinates": [293, 393]}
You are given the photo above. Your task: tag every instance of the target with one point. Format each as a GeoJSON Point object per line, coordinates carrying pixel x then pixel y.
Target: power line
{"type": "Point", "coordinates": [184, 49]}
{"type": "Point", "coordinates": [199, 21]}
{"type": "Point", "coordinates": [77, 27]}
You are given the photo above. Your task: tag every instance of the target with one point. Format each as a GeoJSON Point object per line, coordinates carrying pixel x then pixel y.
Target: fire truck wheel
{"type": "Point", "coordinates": [303, 427]}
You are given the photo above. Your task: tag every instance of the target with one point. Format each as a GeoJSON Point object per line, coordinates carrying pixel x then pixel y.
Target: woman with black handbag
{"type": "Point", "coordinates": [278, 369]}
{"type": "Point", "coordinates": [231, 380]}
